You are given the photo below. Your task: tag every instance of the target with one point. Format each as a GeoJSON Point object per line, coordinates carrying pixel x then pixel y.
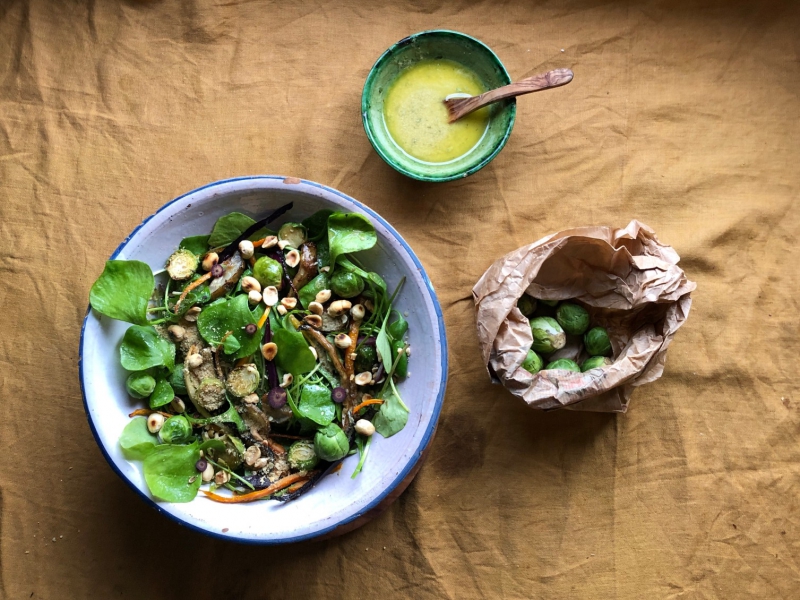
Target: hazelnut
{"type": "Point", "coordinates": [270, 295]}
{"type": "Point", "coordinates": [289, 303]}
{"type": "Point", "coordinates": [364, 378]}
{"type": "Point", "coordinates": [210, 260]}
{"type": "Point", "coordinates": [260, 463]}
{"type": "Point", "coordinates": [193, 361]}
{"type": "Point", "coordinates": [282, 244]}
{"type": "Point", "coordinates": [316, 308]}
{"type": "Point", "coordinates": [154, 422]}
{"type": "Point", "coordinates": [251, 455]}
{"type": "Point", "coordinates": [270, 241]}
{"type": "Point", "coordinates": [339, 307]}
{"type": "Point", "coordinates": [323, 296]}
{"type": "Point", "coordinates": [191, 314]}
{"type": "Point", "coordinates": [365, 427]}
{"type": "Point", "coordinates": [269, 350]}
{"type": "Point", "coordinates": [254, 297]}
{"type": "Point", "coordinates": [282, 309]}
{"type": "Point", "coordinates": [325, 269]}
{"type": "Point", "coordinates": [314, 352]}
{"type": "Point", "coordinates": [246, 249]}
{"type": "Point", "coordinates": [178, 405]}
{"type": "Point", "coordinates": [250, 399]}
{"type": "Point", "coordinates": [176, 332]}
{"type": "Point", "coordinates": [314, 320]}
{"type": "Point", "coordinates": [222, 477]}
{"type": "Point", "coordinates": [208, 473]}
{"type": "Point", "coordinates": [369, 305]}
{"type": "Point", "coordinates": [358, 312]}
{"type": "Point", "coordinates": [250, 283]}
{"type": "Point", "coordinates": [342, 340]}
{"type": "Point", "coordinates": [292, 258]}
{"type": "Point", "coordinates": [287, 380]}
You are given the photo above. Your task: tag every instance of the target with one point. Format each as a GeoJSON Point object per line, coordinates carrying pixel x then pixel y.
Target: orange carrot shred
{"type": "Point", "coordinates": [196, 283]}
{"type": "Point", "coordinates": [257, 495]}
{"type": "Point", "coordinates": [263, 318]}
{"type": "Point", "coordinates": [366, 403]}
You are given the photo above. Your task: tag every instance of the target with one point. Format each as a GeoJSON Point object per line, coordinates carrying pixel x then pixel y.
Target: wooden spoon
{"type": "Point", "coordinates": [459, 107]}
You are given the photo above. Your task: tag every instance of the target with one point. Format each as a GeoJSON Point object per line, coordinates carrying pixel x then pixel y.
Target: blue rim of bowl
{"type": "Point", "coordinates": [426, 438]}
{"type": "Point", "coordinates": [370, 135]}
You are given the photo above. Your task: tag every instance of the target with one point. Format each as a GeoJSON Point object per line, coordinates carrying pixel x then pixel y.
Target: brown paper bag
{"type": "Point", "coordinates": [630, 284]}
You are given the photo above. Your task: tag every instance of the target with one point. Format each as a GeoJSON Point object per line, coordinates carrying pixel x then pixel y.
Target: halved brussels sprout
{"type": "Point", "coordinates": [596, 342]}
{"type": "Point", "coordinates": [330, 443]}
{"type": "Point", "coordinates": [140, 384]}
{"type": "Point", "coordinates": [547, 335]}
{"type": "Point", "coordinates": [573, 318]}
{"type": "Point", "coordinates": [243, 380]}
{"type": "Point", "coordinates": [176, 430]}
{"type": "Point", "coordinates": [301, 455]}
{"type": "Point", "coordinates": [210, 394]}
{"type": "Point", "coordinates": [268, 271]}
{"type": "Point", "coordinates": [595, 362]}
{"type": "Point", "coordinates": [182, 264]}
{"type": "Point", "coordinates": [533, 362]}
{"type": "Point", "coordinates": [232, 269]}
{"type": "Point", "coordinates": [346, 285]}
{"type": "Point", "coordinates": [564, 364]}
{"type": "Point", "coordinates": [526, 304]}
{"type": "Point", "coordinates": [294, 233]}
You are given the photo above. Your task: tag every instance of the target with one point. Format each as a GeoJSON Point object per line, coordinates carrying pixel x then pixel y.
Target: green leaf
{"type": "Point", "coordinates": [230, 315]}
{"type": "Point", "coordinates": [310, 290]}
{"type": "Point", "coordinates": [294, 355]}
{"type": "Point", "coordinates": [317, 224]}
{"type": "Point", "coordinates": [136, 440]}
{"type": "Point", "coordinates": [384, 346]}
{"type": "Point", "coordinates": [229, 416]}
{"type": "Point", "coordinates": [196, 244]}
{"type": "Point", "coordinates": [142, 348]}
{"type": "Point", "coordinates": [323, 253]}
{"type": "Point", "coordinates": [230, 227]}
{"type": "Point", "coordinates": [376, 279]}
{"type": "Point", "coordinates": [349, 232]}
{"type": "Point", "coordinates": [162, 395]}
{"type": "Point", "coordinates": [123, 290]}
{"type": "Point", "coordinates": [316, 404]}
{"type": "Point", "coordinates": [231, 345]}
{"type": "Point", "coordinates": [170, 472]}
{"type": "Point", "coordinates": [393, 414]}
{"type": "Point", "coordinates": [363, 450]}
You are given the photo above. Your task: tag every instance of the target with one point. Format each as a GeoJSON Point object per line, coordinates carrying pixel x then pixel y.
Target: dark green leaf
{"type": "Point", "coordinates": [170, 472]}
{"type": "Point", "coordinates": [384, 346]}
{"type": "Point", "coordinates": [397, 328]}
{"type": "Point", "coordinates": [347, 265]}
{"type": "Point", "coordinates": [317, 224]}
{"type": "Point", "coordinates": [230, 227]}
{"type": "Point", "coordinates": [316, 404]}
{"type": "Point", "coordinates": [231, 344]}
{"type": "Point", "coordinates": [230, 315]}
{"type": "Point", "coordinates": [136, 440]}
{"type": "Point", "coordinates": [229, 416]}
{"type": "Point", "coordinates": [392, 416]}
{"type": "Point", "coordinates": [143, 348]}
{"type": "Point", "coordinates": [123, 290]}
{"type": "Point", "coordinates": [294, 355]}
{"type": "Point", "coordinates": [197, 244]}
{"type": "Point", "coordinates": [310, 290]}
{"type": "Point", "coordinates": [349, 232]}
{"type": "Point", "coordinates": [162, 395]}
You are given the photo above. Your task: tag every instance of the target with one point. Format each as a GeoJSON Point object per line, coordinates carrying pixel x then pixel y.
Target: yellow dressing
{"type": "Point", "coordinates": [416, 116]}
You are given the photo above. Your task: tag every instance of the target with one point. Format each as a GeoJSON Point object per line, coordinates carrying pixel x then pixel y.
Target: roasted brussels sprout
{"type": "Point", "coordinates": [210, 393]}
{"type": "Point", "coordinates": [595, 362]}
{"type": "Point", "coordinates": [527, 305]}
{"type": "Point", "coordinates": [532, 362]}
{"type": "Point", "coordinates": [550, 303]}
{"type": "Point", "coordinates": [177, 381]}
{"type": "Point", "coordinates": [182, 264]}
{"type": "Point", "coordinates": [596, 342]}
{"type": "Point", "coordinates": [366, 358]}
{"type": "Point", "coordinates": [140, 384]}
{"type": "Point", "coordinates": [301, 456]}
{"type": "Point", "coordinates": [330, 443]}
{"type": "Point", "coordinates": [294, 233]}
{"type": "Point", "coordinates": [564, 364]}
{"type": "Point", "coordinates": [243, 380]}
{"type": "Point", "coordinates": [547, 335]}
{"type": "Point", "coordinates": [346, 285]}
{"type": "Point", "coordinates": [268, 271]}
{"type": "Point", "coordinates": [573, 318]}
{"type": "Point", "coordinates": [176, 430]}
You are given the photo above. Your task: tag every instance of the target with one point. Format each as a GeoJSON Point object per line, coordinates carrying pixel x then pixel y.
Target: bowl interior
{"type": "Point", "coordinates": [337, 499]}
{"type": "Point", "coordinates": [439, 44]}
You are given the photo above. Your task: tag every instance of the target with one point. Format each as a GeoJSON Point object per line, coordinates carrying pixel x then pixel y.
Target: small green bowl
{"type": "Point", "coordinates": [437, 44]}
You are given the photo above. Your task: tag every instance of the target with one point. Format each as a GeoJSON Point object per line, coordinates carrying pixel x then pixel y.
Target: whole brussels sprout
{"type": "Point", "coordinates": [182, 264]}
{"type": "Point", "coordinates": [177, 381]}
{"type": "Point", "coordinates": [268, 271]}
{"type": "Point", "coordinates": [532, 362]}
{"type": "Point", "coordinates": [243, 380]}
{"type": "Point", "coordinates": [527, 305]}
{"type": "Point", "coordinates": [330, 443]}
{"type": "Point", "coordinates": [294, 233]}
{"type": "Point", "coordinates": [595, 362]}
{"type": "Point", "coordinates": [140, 385]}
{"type": "Point", "coordinates": [176, 430]}
{"type": "Point", "coordinates": [547, 335]}
{"type": "Point", "coordinates": [550, 303]}
{"type": "Point", "coordinates": [564, 364]}
{"type": "Point", "coordinates": [346, 285]}
{"type": "Point", "coordinates": [596, 342]}
{"type": "Point", "coordinates": [301, 456]}
{"type": "Point", "coordinates": [573, 318]}
{"type": "Point", "coordinates": [366, 358]}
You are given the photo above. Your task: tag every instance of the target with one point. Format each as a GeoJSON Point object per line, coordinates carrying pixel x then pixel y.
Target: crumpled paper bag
{"type": "Point", "coordinates": [630, 284]}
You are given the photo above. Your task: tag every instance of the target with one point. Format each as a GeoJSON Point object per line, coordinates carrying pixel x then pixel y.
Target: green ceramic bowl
{"type": "Point", "coordinates": [437, 44]}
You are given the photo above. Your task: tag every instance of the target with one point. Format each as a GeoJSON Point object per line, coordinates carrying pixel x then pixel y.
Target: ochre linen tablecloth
{"type": "Point", "coordinates": [684, 115]}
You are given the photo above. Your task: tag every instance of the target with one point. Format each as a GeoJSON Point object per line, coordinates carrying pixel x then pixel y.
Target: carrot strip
{"type": "Point", "coordinates": [263, 318]}
{"type": "Point", "coordinates": [366, 403]}
{"type": "Point", "coordinates": [195, 284]}
{"type": "Point", "coordinates": [146, 412]}
{"type": "Point", "coordinates": [259, 243]}
{"type": "Point", "coordinates": [257, 495]}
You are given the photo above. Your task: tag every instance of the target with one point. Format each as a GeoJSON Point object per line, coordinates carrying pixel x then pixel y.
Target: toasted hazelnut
{"type": "Point", "coordinates": [313, 351]}
{"type": "Point", "coordinates": [176, 332]}
{"type": "Point", "coordinates": [222, 477]}
{"type": "Point", "coordinates": [246, 249]}
{"type": "Point", "coordinates": [358, 312]}
{"type": "Point", "coordinates": [250, 283]}
{"type": "Point", "coordinates": [208, 474]}
{"type": "Point", "coordinates": [323, 296]}
{"type": "Point", "coordinates": [254, 297]}
{"type": "Point", "coordinates": [316, 308]}
{"type": "Point", "coordinates": [364, 378]}
{"type": "Point", "coordinates": [269, 350]}
{"type": "Point", "coordinates": [282, 244]}
{"type": "Point", "coordinates": [282, 309]}
{"type": "Point", "coordinates": [178, 405]}
{"type": "Point", "coordinates": [270, 295]}
{"type": "Point", "coordinates": [270, 241]}
{"type": "Point", "coordinates": [289, 303]}
{"type": "Point", "coordinates": [210, 260]}
{"type": "Point", "coordinates": [193, 361]}
{"type": "Point", "coordinates": [365, 427]}
{"type": "Point", "coordinates": [292, 258]}
{"type": "Point", "coordinates": [313, 320]}
{"type": "Point", "coordinates": [252, 454]}
{"type": "Point", "coordinates": [191, 314]}
{"type": "Point", "coordinates": [338, 307]}
{"type": "Point", "coordinates": [325, 269]}
{"type": "Point", "coordinates": [250, 399]}
{"type": "Point", "coordinates": [342, 340]}
{"type": "Point", "coordinates": [287, 380]}
{"type": "Point", "coordinates": [353, 356]}
{"type": "Point", "coordinates": [154, 422]}
{"type": "Point", "coordinates": [260, 463]}
{"type": "Point", "coordinates": [369, 305]}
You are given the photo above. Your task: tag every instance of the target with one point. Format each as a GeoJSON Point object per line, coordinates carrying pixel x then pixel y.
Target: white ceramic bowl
{"type": "Point", "coordinates": [337, 503]}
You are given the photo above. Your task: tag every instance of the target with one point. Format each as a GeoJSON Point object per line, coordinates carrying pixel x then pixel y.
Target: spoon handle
{"type": "Point", "coordinates": [543, 81]}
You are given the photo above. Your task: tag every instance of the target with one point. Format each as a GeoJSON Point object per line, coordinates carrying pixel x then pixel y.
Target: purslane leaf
{"type": "Point", "coordinates": [136, 440]}
{"type": "Point", "coordinates": [170, 472]}
{"type": "Point", "coordinates": [123, 290]}
{"type": "Point", "coordinates": [349, 232]}
{"type": "Point", "coordinates": [142, 348]}
{"type": "Point", "coordinates": [316, 404]}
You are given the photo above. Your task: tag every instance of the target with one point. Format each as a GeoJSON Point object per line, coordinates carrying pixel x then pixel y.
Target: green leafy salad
{"type": "Point", "coordinates": [263, 358]}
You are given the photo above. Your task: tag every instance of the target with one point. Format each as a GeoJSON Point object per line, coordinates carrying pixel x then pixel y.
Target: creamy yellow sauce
{"type": "Point", "coordinates": [416, 116]}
